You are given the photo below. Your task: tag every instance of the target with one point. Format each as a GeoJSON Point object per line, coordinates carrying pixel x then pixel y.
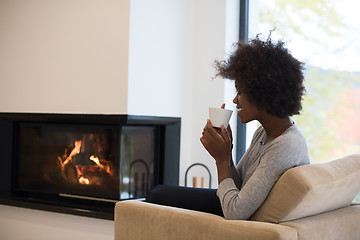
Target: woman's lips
{"type": "Point", "coordinates": [239, 109]}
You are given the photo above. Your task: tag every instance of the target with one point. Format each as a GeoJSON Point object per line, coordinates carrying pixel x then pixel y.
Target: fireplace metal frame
{"type": "Point", "coordinates": [167, 171]}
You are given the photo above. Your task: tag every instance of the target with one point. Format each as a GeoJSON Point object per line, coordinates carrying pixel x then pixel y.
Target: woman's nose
{"type": "Point", "coordinates": [235, 99]}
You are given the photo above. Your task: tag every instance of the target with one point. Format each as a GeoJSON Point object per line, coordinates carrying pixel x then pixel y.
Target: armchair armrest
{"type": "Point", "coordinates": [140, 220]}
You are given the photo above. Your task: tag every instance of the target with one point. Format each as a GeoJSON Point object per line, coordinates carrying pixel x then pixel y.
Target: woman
{"type": "Point", "coordinates": [269, 82]}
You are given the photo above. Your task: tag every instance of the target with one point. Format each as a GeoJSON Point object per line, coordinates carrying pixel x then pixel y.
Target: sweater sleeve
{"type": "Point", "coordinates": [276, 159]}
{"type": "Point", "coordinates": [241, 204]}
{"type": "Point", "coordinates": [235, 175]}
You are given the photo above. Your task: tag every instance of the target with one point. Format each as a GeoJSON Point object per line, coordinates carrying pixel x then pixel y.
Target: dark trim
{"type": "Point", "coordinates": [244, 20]}
{"type": "Point", "coordinates": [75, 118]}
{"type": "Point", "coordinates": [241, 140]}
{"type": "Point", "coordinates": [167, 158]}
{"type": "Point", "coordinates": [243, 35]}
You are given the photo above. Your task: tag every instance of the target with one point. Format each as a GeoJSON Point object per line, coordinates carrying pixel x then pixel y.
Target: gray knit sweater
{"type": "Point", "coordinates": [258, 170]}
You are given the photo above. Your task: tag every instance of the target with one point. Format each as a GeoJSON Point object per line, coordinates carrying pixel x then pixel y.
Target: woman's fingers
{"type": "Point", "coordinates": [225, 134]}
{"type": "Point", "coordinates": [214, 134]}
{"type": "Point", "coordinates": [212, 131]}
{"type": "Point", "coordinates": [229, 132]}
{"type": "Point", "coordinates": [229, 129]}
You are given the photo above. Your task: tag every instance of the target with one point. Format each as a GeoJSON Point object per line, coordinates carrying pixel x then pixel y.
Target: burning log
{"type": "Point", "coordinates": [83, 167]}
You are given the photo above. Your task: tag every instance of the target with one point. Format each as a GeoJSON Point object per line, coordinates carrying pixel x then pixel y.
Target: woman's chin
{"type": "Point", "coordinates": [243, 120]}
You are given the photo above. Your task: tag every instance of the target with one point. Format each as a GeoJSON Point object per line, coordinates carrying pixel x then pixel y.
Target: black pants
{"type": "Point", "coordinates": [199, 199]}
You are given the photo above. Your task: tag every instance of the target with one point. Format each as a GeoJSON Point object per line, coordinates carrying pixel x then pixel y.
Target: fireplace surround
{"type": "Point", "coordinates": [83, 163]}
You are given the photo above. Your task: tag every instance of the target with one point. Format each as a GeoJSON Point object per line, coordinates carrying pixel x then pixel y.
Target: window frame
{"type": "Point", "coordinates": [243, 35]}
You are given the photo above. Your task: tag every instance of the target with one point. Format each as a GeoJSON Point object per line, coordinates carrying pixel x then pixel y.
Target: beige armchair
{"type": "Point", "coordinates": [308, 202]}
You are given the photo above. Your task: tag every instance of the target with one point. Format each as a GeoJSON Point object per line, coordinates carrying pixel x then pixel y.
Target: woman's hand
{"type": "Point", "coordinates": [217, 142]}
{"type": "Point", "coordinates": [228, 128]}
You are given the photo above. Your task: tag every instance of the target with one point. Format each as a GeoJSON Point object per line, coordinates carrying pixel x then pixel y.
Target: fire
{"type": "Point", "coordinates": [75, 151]}
{"type": "Point", "coordinates": [75, 168]}
{"type": "Point", "coordinates": [83, 180]}
{"type": "Point", "coordinates": [96, 160]}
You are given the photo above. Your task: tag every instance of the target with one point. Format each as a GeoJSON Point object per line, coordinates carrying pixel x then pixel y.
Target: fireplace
{"type": "Point", "coordinates": [83, 164]}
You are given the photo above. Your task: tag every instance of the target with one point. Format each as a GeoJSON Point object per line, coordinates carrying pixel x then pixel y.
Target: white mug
{"type": "Point", "coordinates": [219, 116]}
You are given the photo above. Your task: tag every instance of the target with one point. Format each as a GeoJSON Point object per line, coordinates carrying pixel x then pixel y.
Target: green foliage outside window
{"type": "Point", "coordinates": [330, 119]}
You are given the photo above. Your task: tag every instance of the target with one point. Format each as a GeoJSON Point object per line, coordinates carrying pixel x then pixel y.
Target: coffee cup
{"type": "Point", "coordinates": [219, 116]}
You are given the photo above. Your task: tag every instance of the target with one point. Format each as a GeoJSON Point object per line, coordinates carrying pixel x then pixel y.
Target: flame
{"type": "Point", "coordinates": [83, 176]}
{"type": "Point", "coordinates": [96, 160]}
{"type": "Point", "coordinates": [75, 151]}
{"type": "Point", "coordinates": [83, 180]}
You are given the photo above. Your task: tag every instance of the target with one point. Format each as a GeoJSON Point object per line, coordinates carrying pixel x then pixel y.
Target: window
{"type": "Point", "coordinates": [323, 34]}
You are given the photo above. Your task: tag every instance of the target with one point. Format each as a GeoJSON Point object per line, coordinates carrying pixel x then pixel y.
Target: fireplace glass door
{"type": "Point", "coordinates": [85, 161]}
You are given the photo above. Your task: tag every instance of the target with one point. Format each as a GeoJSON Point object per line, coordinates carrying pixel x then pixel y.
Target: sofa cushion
{"type": "Point", "coordinates": [342, 223]}
{"type": "Point", "coordinates": [312, 189]}
{"type": "Point", "coordinates": [136, 220]}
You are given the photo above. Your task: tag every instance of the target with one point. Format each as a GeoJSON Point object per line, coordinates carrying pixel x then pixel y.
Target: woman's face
{"type": "Point", "coordinates": [246, 110]}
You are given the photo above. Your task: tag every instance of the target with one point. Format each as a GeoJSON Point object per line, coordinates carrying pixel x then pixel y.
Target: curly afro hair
{"type": "Point", "coordinates": [268, 74]}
